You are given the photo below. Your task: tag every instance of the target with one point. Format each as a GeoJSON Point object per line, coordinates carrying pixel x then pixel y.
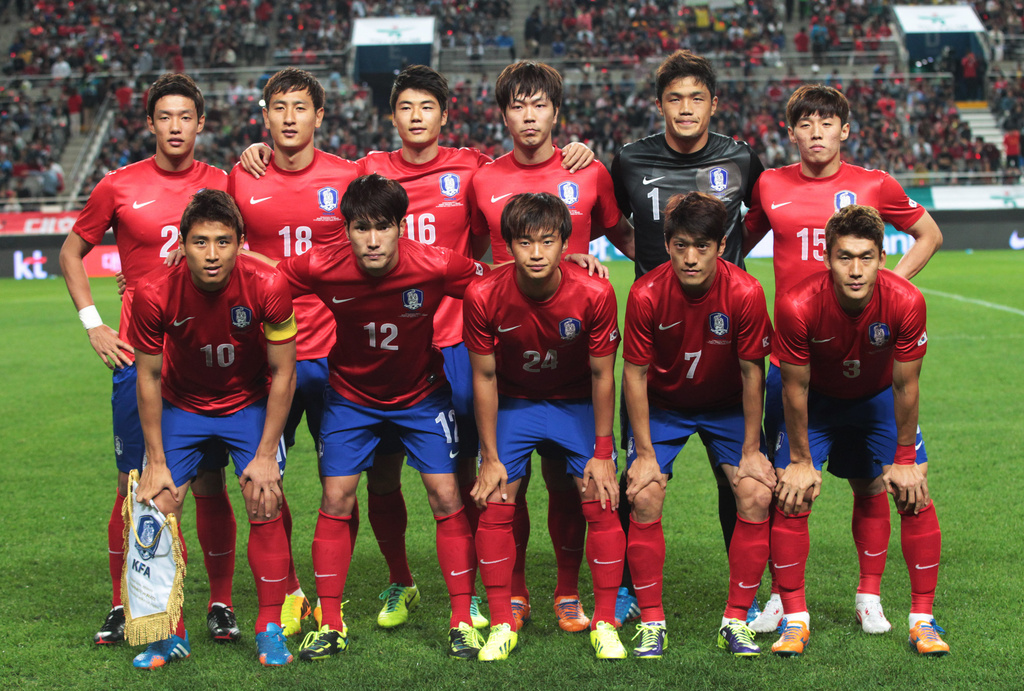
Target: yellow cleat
{"type": "Point", "coordinates": [399, 600]}
{"type": "Point", "coordinates": [605, 640]}
{"type": "Point", "coordinates": [293, 611]}
{"type": "Point", "coordinates": [500, 643]}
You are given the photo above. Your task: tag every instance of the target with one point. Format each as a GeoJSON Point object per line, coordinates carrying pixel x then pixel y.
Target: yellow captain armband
{"type": "Point", "coordinates": [278, 333]}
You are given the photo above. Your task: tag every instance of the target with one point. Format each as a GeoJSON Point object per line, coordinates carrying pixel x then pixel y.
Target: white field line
{"type": "Point", "coordinates": [973, 301]}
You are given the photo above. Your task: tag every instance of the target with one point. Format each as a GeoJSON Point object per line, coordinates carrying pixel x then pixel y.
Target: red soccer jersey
{"type": "Point", "coordinates": [288, 212]}
{"type": "Point", "coordinates": [383, 355]}
{"type": "Point", "coordinates": [693, 347]}
{"type": "Point", "coordinates": [143, 205]}
{"type": "Point", "coordinates": [214, 351]}
{"type": "Point", "coordinates": [588, 193]}
{"type": "Point", "coordinates": [850, 357]}
{"type": "Point", "coordinates": [442, 212]}
{"type": "Point", "coordinates": [797, 208]}
{"type": "Point", "coordinates": [542, 349]}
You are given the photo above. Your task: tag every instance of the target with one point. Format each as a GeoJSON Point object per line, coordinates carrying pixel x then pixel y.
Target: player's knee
{"type": "Point", "coordinates": [444, 497]}
{"type": "Point", "coordinates": [648, 503]}
{"type": "Point", "coordinates": [337, 502]}
{"type": "Point", "coordinates": [753, 500]}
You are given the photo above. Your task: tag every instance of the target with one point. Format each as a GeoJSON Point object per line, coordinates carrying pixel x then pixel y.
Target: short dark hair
{"type": "Point", "coordinates": [699, 215]}
{"type": "Point", "coordinates": [811, 99]}
{"type": "Point", "coordinates": [855, 221]}
{"type": "Point", "coordinates": [529, 212]}
{"type": "Point", "coordinates": [174, 85]}
{"type": "Point", "coordinates": [374, 198]}
{"type": "Point", "coordinates": [682, 64]}
{"type": "Point", "coordinates": [421, 78]}
{"type": "Point", "coordinates": [213, 206]}
{"type": "Point", "coordinates": [293, 79]}
{"type": "Point", "coordinates": [524, 79]}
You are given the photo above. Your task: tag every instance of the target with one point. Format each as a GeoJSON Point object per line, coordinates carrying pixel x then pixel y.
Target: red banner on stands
{"type": "Point", "coordinates": [37, 223]}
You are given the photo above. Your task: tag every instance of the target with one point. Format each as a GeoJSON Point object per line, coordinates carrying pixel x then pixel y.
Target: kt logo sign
{"type": "Point", "coordinates": [29, 267]}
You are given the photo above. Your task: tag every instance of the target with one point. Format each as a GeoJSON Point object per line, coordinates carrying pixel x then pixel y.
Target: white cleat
{"type": "Point", "coordinates": [871, 617]}
{"type": "Point", "coordinates": [770, 617]}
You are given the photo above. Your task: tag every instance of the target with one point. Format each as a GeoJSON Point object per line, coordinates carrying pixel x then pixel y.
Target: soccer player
{"type": "Point", "coordinates": [215, 352]}
{"type": "Point", "coordinates": [685, 157]}
{"type": "Point", "coordinates": [846, 338]}
{"type": "Point", "coordinates": [143, 203]}
{"type": "Point", "coordinates": [795, 202]}
{"type": "Point", "coordinates": [529, 95]}
{"type": "Point", "coordinates": [697, 332]}
{"type": "Point", "coordinates": [292, 207]}
{"type": "Point", "coordinates": [386, 379]}
{"type": "Point", "coordinates": [542, 337]}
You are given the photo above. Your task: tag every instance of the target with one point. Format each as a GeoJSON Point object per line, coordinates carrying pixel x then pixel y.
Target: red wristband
{"type": "Point", "coordinates": [603, 447]}
{"type": "Point", "coordinates": [906, 454]}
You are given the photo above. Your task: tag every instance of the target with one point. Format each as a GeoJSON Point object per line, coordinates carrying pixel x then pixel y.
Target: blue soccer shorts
{"type": "Point", "coordinates": [311, 378]}
{"type": "Point", "coordinates": [351, 432]}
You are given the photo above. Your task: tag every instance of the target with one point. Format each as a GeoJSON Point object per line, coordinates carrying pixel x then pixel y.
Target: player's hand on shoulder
{"type": "Point", "coordinates": [174, 257]}
{"type": "Point", "coordinates": [112, 350]}
{"type": "Point", "coordinates": [255, 159]}
{"type": "Point", "coordinates": [576, 156]}
{"type": "Point", "coordinates": [122, 284]}
{"type": "Point", "coordinates": [908, 486]}
{"type": "Point", "coordinates": [799, 484]}
{"type": "Point", "coordinates": [588, 262]}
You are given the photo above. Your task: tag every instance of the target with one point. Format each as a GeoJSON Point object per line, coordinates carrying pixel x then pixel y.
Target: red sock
{"type": "Point", "coordinates": [215, 525]}
{"type": "Point", "coordinates": [457, 557]}
{"type": "Point", "coordinates": [790, 545]}
{"type": "Point", "coordinates": [389, 519]}
{"type": "Point", "coordinates": [922, 546]}
{"type": "Point", "coordinates": [871, 531]}
{"type": "Point", "coordinates": [568, 529]}
{"type": "Point", "coordinates": [606, 554]}
{"type": "Point", "coordinates": [472, 511]}
{"type": "Point", "coordinates": [496, 550]}
{"type": "Point", "coordinates": [332, 555]}
{"type": "Point", "coordinates": [748, 555]}
{"type": "Point", "coordinates": [521, 534]}
{"type": "Point", "coordinates": [268, 559]}
{"type": "Point", "coordinates": [292, 584]}
{"type": "Point", "coordinates": [646, 552]}
{"type": "Point", "coordinates": [115, 549]}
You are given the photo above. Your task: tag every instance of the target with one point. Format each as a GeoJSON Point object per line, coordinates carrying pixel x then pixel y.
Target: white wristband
{"type": "Point", "coordinates": [90, 317]}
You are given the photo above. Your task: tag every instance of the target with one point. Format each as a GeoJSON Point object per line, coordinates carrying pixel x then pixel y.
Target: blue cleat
{"type": "Point", "coordinates": [160, 653]}
{"type": "Point", "coordinates": [754, 612]}
{"type": "Point", "coordinates": [271, 647]}
{"type": "Point", "coordinates": [626, 607]}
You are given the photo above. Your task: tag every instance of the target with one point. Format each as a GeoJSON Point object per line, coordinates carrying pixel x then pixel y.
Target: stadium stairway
{"type": "Point", "coordinates": [983, 124]}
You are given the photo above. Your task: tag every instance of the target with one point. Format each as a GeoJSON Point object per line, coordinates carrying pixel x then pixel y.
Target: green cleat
{"type": "Point", "coordinates": [500, 643]}
{"type": "Point", "coordinates": [464, 642]}
{"type": "Point", "coordinates": [320, 645]}
{"type": "Point", "coordinates": [605, 640]}
{"type": "Point", "coordinates": [399, 600]}
{"type": "Point", "coordinates": [293, 611]}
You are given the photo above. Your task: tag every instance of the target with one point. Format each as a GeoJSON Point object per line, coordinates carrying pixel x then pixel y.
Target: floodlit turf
{"type": "Point", "coordinates": [58, 481]}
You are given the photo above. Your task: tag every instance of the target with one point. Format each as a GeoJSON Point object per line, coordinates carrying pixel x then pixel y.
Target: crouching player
{"type": "Point", "coordinates": [386, 381]}
{"type": "Point", "coordinates": [844, 337]}
{"type": "Point", "coordinates": [210, 376]}
{"type": "Point", "coordinates": [697, 332]}
{"type": "Point", "coordinates": [542, 337]}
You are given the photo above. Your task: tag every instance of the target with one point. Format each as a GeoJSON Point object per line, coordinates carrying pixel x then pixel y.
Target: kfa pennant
{"type": "Point", "coordinates": [154, 571]}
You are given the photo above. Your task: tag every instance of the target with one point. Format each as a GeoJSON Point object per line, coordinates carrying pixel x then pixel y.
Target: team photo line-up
{"type": "Point", "coordinates": [353, 293]}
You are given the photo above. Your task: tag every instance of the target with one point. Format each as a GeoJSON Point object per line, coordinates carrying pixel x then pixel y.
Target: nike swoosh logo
{"type": "Point", "coordinates": [776, 206]}
{"type": "Point", "coordinates": [662, 327]}
{"type": "Point", "coordinates": [220, 554]}
{"type": "Point", "coordinates": [617, 561]}
{"type": "Point", "coordinates": [786, 566]}
{"type": "Point", "coordinates": [822, 340]}
{"type": "Point", "coordinates": [496, 561]}
{"type": "Point", "coordinates": [511, 328]}
{"type": "Point", "coordinates": [319, 575]}
{"type": "Point", "coordinates": [652, 180]}
{"type": "Point", "coordinates": [136, 205]}
{"type": "Point", "coordinates": [875, 554]}
{"type": "Point", "coordinates": [254, 200]}
{"type": "Point", "coordinates": [495, 200]}
{"type": "Point", "coordinates": [748, 587]}
{"type": "Point", "coordinates": [923, 568]}
{"type": "Point", "coordinates": [336, 301]}
{"type": "Point", "coordinates": [918, 445]}
{"type": "Point", "coordinates": [178, 322]}
{"type": "Point", "coordinates": [459, 573]}
{"type": "Point", "coordinates": [272, 580]}
{"type": "Point", "coordinates": [1016, 241]}
{"type": "Point", "coordinates": [453, 454]}
{"type": "Point", "coordinates": [644, 587]}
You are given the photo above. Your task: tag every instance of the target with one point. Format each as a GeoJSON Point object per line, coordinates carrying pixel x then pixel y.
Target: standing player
{"type": "Point", "coordinates": [542, 336]}
{"type": "Point", "coordinates": [796, 202]}
{"type": "Point", "coordinates": [686, 157]}
{"type": "Point", "coordinates": [292, 207]}
{"type": "Point", "coordinates": [697, 332]}
{"type": "Point", "coordinates": [215, 352]}
{"type": "Point", "coordinates": [143, 203]}
{"type": "Point", "coordinates": [850, 345]}
{"type": "Point", "coordinates": [386, 379]}
{"type": "Point", "coordinates": [529, 95]}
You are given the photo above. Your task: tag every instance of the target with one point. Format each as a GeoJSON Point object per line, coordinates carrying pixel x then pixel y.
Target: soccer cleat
{"type": "Point", "coordinates": [293, 611]}
{"type": "Point", "coordinates": [399, 600]}
{"type": "Point", "coordinates": [113, 628]}
{"type": "Point", "coordinates": [770, 619]}
{"type": "Point", "coordinates": [464, 642]}
{"type": "Point", "coordinates": [794, 638]}
{"type": "Point", "coordinates": [754, 612]}
{"type": "Point", "coordinates": [872, 618]}
{"type": "Point", "coordinates": [924, 639]}
{"type": "Point", "coordinates": [626, 607]}
{"type": "Point", "coordinates": [738, 639]}
{"type": "Point", "coordinates": [320, 645]}
{"type": "Point", "coordinates": [605, 640]}
{"type": "Point", "coordinates": [520, 611]}
{"type": "Point", "coordinates": [272, 647]}
{"type": "Point", "coordinates": [479, 620]}
{"type": "Point", "coordinates": [570, 614]}
{"type": "Point", "coordinates": [500, 643]}
{"type": "Point", "coordinates": [222, 624]}
{"type": "Point", "coordinates": [160, 653]}
{"type": "Point", "coordinates": [653, 641]}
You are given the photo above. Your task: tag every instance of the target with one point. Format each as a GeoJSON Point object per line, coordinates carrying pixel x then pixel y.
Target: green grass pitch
{"type": "Point", "coordinates": [58, 486]}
